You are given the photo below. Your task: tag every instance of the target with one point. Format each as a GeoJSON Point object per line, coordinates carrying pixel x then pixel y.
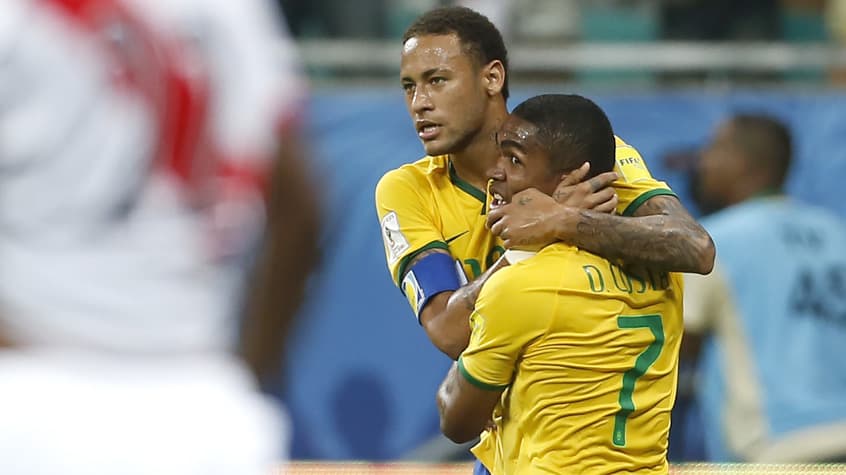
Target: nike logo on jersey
{"type": "Point", "coordinates": [456, 237]}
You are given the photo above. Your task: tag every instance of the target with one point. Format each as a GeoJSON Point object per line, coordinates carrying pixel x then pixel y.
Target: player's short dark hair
{"type": "Point", "coordinates": [574, 129]}
{"type": "Point", "coordinates": [766, 141]}
{"type": "Point", "coordinates": [478, 35]}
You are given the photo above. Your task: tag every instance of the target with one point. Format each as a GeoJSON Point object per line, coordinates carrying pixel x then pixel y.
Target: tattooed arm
{"type": "Point", "coordinates": [446, 317]}
{"type": "Point", "coordinates": [662, 235]}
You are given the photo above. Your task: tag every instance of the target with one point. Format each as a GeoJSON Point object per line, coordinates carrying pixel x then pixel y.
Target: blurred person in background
{"type": "Point", "coordinates": [773, 312]}
{"type": "Point", "coordinates": [434, 212]}
{"type": "Point", "coordinates": [585, 369]}
{"type": "Point", "coordinates": [137, 139]}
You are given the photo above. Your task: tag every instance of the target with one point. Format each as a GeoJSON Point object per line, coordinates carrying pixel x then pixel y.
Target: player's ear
{"type": "Point", "coordinates": [494, 77]}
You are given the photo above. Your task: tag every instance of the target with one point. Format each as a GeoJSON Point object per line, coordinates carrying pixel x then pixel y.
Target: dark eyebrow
{"type": "Point", "coordinates": [426, 74]}
{"type": "Point", "coordinates": [431, 72]}
{"type": "Point", "coordinates": [512, 144]}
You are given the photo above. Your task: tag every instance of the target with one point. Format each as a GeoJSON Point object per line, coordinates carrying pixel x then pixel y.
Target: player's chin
{"type": "Point", "coordinates": [436, 147]}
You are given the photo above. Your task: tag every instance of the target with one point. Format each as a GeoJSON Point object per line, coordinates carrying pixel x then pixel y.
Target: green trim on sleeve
{"type": "Point", "coordinates": [475, 382]}
{"type": "Point", "coordinates": [634, 205]}
{"type": "Point", "coordinates": [405, 260]}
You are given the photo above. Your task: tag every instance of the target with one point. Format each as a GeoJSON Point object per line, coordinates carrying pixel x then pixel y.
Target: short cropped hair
{"type": "Point", "coordinates": [766, 142]}
{"type": "Point", "coordinates": [478, 35]}
{"type": "Point", "coordinates": [574, 129]}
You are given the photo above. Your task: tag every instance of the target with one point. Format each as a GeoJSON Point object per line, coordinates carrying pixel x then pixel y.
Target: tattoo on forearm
{"type": "Point", "coordinates": [663, 237]}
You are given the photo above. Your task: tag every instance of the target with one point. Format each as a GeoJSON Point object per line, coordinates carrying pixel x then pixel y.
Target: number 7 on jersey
{"type": "Point", "coordinates": [642, 364]}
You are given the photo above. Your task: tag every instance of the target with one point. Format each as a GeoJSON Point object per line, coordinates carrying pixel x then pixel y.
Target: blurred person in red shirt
{"type": "Point", "coordinates": [137, 142]}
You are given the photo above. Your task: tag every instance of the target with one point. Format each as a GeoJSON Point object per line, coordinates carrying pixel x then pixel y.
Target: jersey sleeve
{"type": "Point", "coordinates": [635, 184]}
{"type": "Point", "coordinates": [499, 332]}
{"type": "Point", "coordinates": [407, 220]}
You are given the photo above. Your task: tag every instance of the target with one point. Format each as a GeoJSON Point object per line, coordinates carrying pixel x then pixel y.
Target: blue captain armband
{"type": "Point", "coordinates": [431, 275]}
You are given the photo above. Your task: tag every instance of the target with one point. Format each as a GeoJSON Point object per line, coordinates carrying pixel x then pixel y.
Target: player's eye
{"type": "Point", "coordinates": [407, 87]}
{"type": "Point", "coordinates": [437, 80]}
{"type": "Point", "coordinates": [515, 160]}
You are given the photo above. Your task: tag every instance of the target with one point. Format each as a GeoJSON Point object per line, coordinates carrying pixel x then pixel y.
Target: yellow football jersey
{"type": "Point", "coordinates": [425, 205]}
{"type": "Point", "coordinates": [635, 184]}
{"type": "Point", "coordinates": [588, 355]}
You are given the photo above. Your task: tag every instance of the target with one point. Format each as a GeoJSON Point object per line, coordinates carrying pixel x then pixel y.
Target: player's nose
{"type": "Point", "coordinates": [496, 173]}
{"type": "Point", "coordinates": [421, 101]}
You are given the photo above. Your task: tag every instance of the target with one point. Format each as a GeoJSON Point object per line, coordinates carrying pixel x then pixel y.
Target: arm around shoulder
{"type": "Point", "coordinates": [660, 235]}
{"type": "Point", "coordinates": [695, 250]}
{"type": "Point", "coordinates": [654, 231]}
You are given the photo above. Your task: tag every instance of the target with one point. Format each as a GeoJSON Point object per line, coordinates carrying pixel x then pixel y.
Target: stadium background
{"type": "Point", "coordinates": [361, 375]}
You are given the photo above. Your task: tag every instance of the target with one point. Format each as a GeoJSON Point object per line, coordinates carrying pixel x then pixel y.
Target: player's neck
{"type": "Point", "coordinates": [471, 169]}
{"type": "Point", "coordinates": [480, 155]}
{"type": "Point", "coordinates": [755, 187]}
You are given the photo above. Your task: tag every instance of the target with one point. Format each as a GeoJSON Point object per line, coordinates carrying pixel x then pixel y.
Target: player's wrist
{"type": "Point", "coordinates": [564, 221]}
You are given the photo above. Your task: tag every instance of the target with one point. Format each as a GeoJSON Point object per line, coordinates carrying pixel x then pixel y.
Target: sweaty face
{"type": "Point", "coordinates": [443, 92]}
{"type": "Point", "coordinates": [721, 166]}
{"type": "Point", "coordinates": [524, 162]}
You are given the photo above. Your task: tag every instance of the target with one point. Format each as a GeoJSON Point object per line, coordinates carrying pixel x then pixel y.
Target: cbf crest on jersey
{"type": "Point", "coordinates": [395, 241]}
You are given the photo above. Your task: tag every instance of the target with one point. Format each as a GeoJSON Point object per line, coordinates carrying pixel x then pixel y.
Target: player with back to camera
{"type": "Point", "coordinates": [581, 355]}
{"type": "Point", "coordinates": [138, 140]}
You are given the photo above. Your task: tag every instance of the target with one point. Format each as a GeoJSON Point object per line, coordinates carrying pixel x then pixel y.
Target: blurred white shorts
{"type": "Point", "coordinates": [88, 414]}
